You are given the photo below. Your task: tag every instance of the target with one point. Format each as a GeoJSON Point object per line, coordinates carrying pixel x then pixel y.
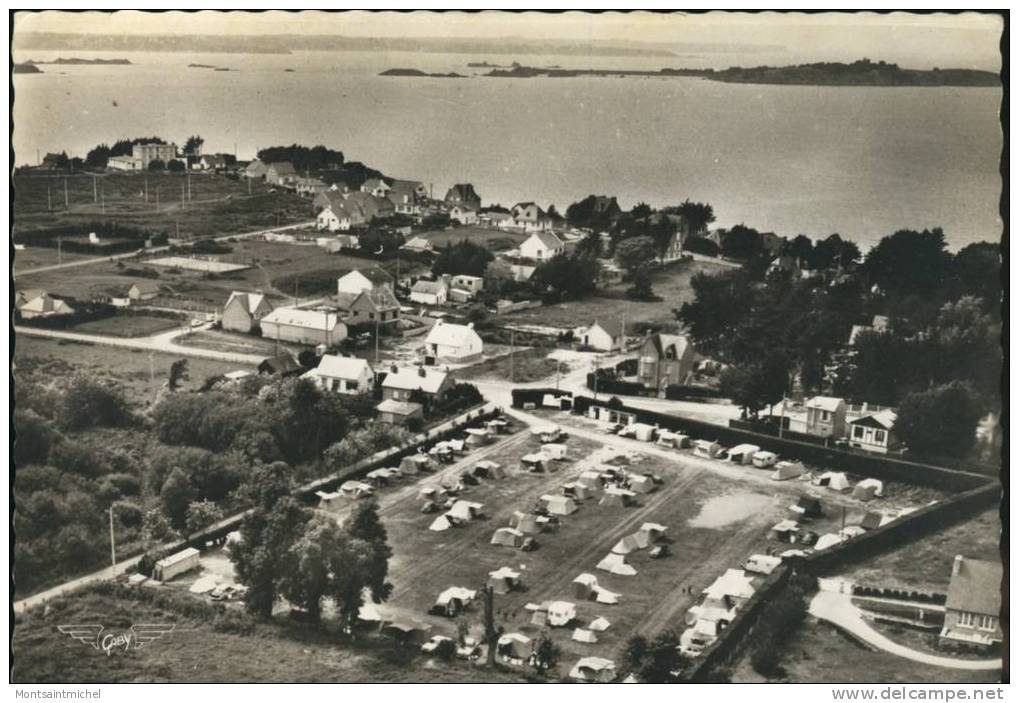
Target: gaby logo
{"type": "Point", "coordinates": [135, 638]}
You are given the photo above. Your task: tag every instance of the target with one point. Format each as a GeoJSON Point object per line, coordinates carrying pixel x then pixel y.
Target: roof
{"type": "Point", "coordinates": [663, 342]}
{"type": "Point", "coordinates": [345, 367]}
{"type": "Point", "coordinates": [613, 328]}
{"type": "Point", "coordinates": [448, 334]}
{"type": "Point", "coordinates": [249, 301]}
{"type": "Point", "coordinates": [824, 402]}
{"type": "Point", "coordinates": [409, 378]}
{"type": "Point", "coordinates": [547, 239]}
{"type": "Point", "coordinates": [462, 191]}
{"type": "Point", "coordinates": [282, 167]}
{"type": "Point", "coordinates": [884, 419]}
{"type": "Point", "coordinates": [280, 364]}
{"type": "Point", "coordinates": [373, 183]}
{"type": "Point", "coordinates": [315, 319]}
{"type": "Point", "coordinates": [432, 287]}
{"type": "Point", "coordinates": [734, 582]}
{"type": "Point", "coordinates": [146, 286]}
{"type": "Point", "coordinates": [397, 407]}
{"type": "Point", "coordinates": [975, 587]}
{"type": "Point", "coordinates": [376, 275]}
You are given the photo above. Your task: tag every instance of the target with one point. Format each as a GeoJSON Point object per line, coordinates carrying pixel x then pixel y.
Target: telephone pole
{"type": "Point", "coordinates": [490, 638]}
{"type": "Point", "coordinates": [512, 339]}
{"type": "Point", "coordinates": [157, 198]}
{"type": "Point", "coordinates": [146, 188]}
{"type": "Point", "coordinates": [95, 189]}
{"type": "Point", "coordinates": [49, 198]}
{"type": "Point", "coordinates": [66, 201]}
{"type": "Point", "coordinates": [113, 547]}
{"type": "Point", "coordinates": [189, 186]}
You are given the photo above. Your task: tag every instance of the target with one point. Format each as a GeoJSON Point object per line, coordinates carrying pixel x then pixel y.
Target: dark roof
{"type": "Point", "coordinates": [462, 192]}
{"type": "Point", "coordinates": [376, 275]}
{"type": "Point", "coordinates": [282, 364]}
{"type": "Point", "coordinates": [614, 327]}
{"type": "Point", "coordinates": [282, 167]}
{"type": "Point", "coordinates": [975, 587]}
{"type": "Point", "coordinates": [145, 286]}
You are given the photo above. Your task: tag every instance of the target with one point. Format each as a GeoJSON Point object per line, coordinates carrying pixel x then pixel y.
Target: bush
{"type": "Point", "coordinates": [446, 650]}
{"type": "Point", "coordinates": [88, 403]}
{"type": "Point", "coordinates": [77, 458]}
{"type": "Point", "coordinates": [33, 438]}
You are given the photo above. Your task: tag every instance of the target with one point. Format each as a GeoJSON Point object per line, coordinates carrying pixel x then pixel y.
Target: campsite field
{"type": "Point", "coordinates": [671, 284]}
{"type": "Point", "coordinates": [495, 240]}
{"type": "Point", "coordinates": [528, 365]}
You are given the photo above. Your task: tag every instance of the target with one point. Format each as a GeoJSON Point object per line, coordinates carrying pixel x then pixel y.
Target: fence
{"type": "Point", "coordinates": [876, 465]}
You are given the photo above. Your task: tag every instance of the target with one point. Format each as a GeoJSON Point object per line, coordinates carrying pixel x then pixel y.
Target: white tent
{"type": "Point", "coordinates": [639, 483]}
{"type": "Point", "coordinates": [827, 541]}
{"type": "Point", "coordinates": [554, 451]}
{"type": "Point", "coordinates": [433, 493]}
{"type": "Point", "coordinates": [606, 597]}
{"type": "Point", "coordinates": [593, 669]}
{"type": "Point", "coordinates": [785, 470]}
{"type": "Point", "coordinates": [533, 462]}
{"type": "Point", "coordinates": [868, 488]}
{"type": "Point", "coordinates": [743, 453]}
{"type": "Point", "coordinates": [761, 563]}
{"type": "Point", "coordinates": [617, 496]}
{"type": "Point", "coordinates": [329, 501]}
{"type": "Point", "coordinates": [586, 636]}
{"type": "Point", "coordinates": [508, 537]}
{"type": "Point", "coordinates": [504, 579]}
{"type": "Point", "coordinates": [575, 490]}
{"type": "Point", "coordinates": [559, 505]}
{"type": "Point", "coordinates": [764, 460]}
{"type": "Point", "coordinates": [455, 593]}
{"type": "Point", "coordinates": [835, 480]}
{"type": "Point", "coordinates": [514, 646]}
{"type": "Point", "coordinates": [413, 464]}
{"type": "Point", "coordinates": [584, 586]}
{"type": "Point", "coordinates": [599, 624]}
{"type": "Point", "coordinates": [706, 448]}
{"type": "Point", "coordinates": [655, 531]}
{"type": "Point", "coordinates": [441, 523]}
{"type": "Point", "coordinates": [591, 479]}
{"type": "Point", "coordinates": [616, 564]}
{"type": "Point", "coordinates": [465, 510]}
{"type": "Point", "coordinates": [561, 613]}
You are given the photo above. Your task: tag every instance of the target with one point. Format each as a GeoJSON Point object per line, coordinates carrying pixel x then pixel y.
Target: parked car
{"type": "Point", "coordinates": [434, 643]}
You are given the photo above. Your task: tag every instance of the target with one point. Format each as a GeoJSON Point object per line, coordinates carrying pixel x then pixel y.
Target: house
{"type": "Point", "coordinates": [215, 162]}
{"type": "Point", "coordinates": [673, 250]}
{"type": "Point", "coordinates": [430, 292]}
{"type": "Point", "coordinates": [368, 278]}
{"type": "Point", "coordinates": [281, 365]}
{"type": "Point", "coordinates": [342, 374]}
{"type": "Point", "coordinates": [603, 336]}
{"type": "Point", "coordinates": [396, 412]}
{"type": "Point", "coordinates": [141, 156]}
{"type": "Point", "coordinates": [973, 607]}
{"type": "Point", "coordinates": [243, 311]}
{"type": "Point", "coordinates": [53, 161]}
{"type": "Point", "coordinates": [495, 218]}
{"type": "Point", "coordinates": [403, 381]}
{"type": "Point", "coordinates": [542, 246]}
{"type": "Point", "coordinates": [377, 187]}
{"type": "Point", "coordinates": [665, 359]}
{"type": "Point", "coordinates": [463, 194]}
{"type": "Point", "coordinates": [826, 416]}
{"type": "Point", "coordinates": [280, 173]}
{"type": "Point", "coordinates": [357, 207]}
{"type": "Point", "coordinates": [458, 344]}
{"type": "Point", "coordinates": [531, 218]}
{"type": "Point", "coordinates": [309, 186]}
{"type": "Point", "coordinates": [143, 290]}
{"type": "Point", "coordinates": [463, 214]}
{"type": "Point", "coordinates": [463, 289]}
{"type": "Point", "coordinates": [873, 432]}
{"type": "Point", "coordinates": [254, 169]}
{"type": "Point", "coordinates": [880, 323]}
{"type": "Point", "coordinates": [334, 218]}
{"type": "Point", "coordinates": [369, 306]}
{"type": "Point", "coordinates": [418, 244]}
{"type": "Point", "coordinates": [406, 196]}
{"type": "Point", "coordinates": [35, 303]}
{"type": "Point", "coordinates": [304, 326]}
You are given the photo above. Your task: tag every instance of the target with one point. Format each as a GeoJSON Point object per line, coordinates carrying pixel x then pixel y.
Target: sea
{"type": "Point", "coordinates": [860, 161]}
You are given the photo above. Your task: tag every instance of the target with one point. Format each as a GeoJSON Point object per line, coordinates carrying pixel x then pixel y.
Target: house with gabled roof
{"type": "Point", "coordinates": [973, 606]}
{"type": "Point", "coordinates": [362, 279]}
{"type": "Point", "coordinates": [430, 292]}
{"type": "Point", "coordinates": [369, 306]}
{"type": "Point", "coordinates": [33, 303]}
{"type": "Point", "coordinates": [531, 218]}
{"type": "Point", "coordinates": [603, 336]}
{"type": "Point", "coordinates": [280, 173]}
{"type": "Point", "coordinates": [448, 342]}
{"type": "Point", "coordinates": [401, 382]}
{"type": "Point", "coordinates": [304, 326]}
{"type": "Point", "coordinates": [463, 194]}
{"type": "Point", "coordinates": [377, 187]}
{"type": "Point", "coordinates": [342, 374]}
{"type": "Point", "coordinates": [243, 311]}
{"type": "Point", "coordinates": [665, 359]}
{"type": "Point", "coordinates": [542, 246]}
{"type": "Point", "coordinates": [463, 215]}
{"type": "Point", "coordinates": [826, 416]}
{"type": "Point", "coordinates": [406, 196]}
{"type": "Point", "coordinates": [143, 289]}
{"type": "Point", "coordinates": [873, 431]}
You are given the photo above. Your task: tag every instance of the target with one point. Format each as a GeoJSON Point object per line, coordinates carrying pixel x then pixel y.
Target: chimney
{"type": "Point", "coordinates": [470, 325]}
{"type": "Point", "coordinates": [957, 565]}
{"type": "Point", "coordinates": [422, 373]}
{"type": "Point", "coordinates": [393, 369]}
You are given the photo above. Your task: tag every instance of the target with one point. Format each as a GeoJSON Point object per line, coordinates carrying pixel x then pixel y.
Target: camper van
{"type": "Point", "coordinates": [706, 448]}
{"type": "Point", "coordinates": [764, 460]}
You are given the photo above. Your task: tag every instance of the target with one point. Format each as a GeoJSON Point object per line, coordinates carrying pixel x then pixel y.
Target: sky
{"type": "Point", "coordinates": [968, 40]}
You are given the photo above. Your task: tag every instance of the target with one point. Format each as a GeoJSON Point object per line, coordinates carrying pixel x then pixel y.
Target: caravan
{"type": "Point", "coordinates": [743, 453]}
{"type": "Point", "coordinates": [706, 448]}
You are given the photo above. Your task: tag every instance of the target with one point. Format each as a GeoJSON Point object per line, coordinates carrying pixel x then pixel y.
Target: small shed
{"type": "Point", "coordinates": [176, 564]}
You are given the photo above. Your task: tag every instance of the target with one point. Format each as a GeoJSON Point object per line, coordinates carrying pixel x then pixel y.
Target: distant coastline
{"type": "Point", "coordinates": [75, 61]}
{"type": "Point", "coordinates": [415, 73]}
{"type": "Point", "coordinates": [210, 67]}
{"type": "Point", "coordinates": [858, 73]}
{"type": "Point", "coordinates": [26, 68]}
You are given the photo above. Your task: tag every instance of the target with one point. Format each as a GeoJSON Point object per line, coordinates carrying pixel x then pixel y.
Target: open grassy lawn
{"type": "Point", "coordinates": [197, 650]}
{"type": "Point", "coordinates": [218, 205]}
{"type": "Point", "coordinates": [36, 257]}
{"type": "Point", "coordinates": [53, 361]}
{"type": "Point", "coordinates": [129, 325]}
{"type": "Point", "coordinates": [671, 284]}
{"type": "Point", "coordinates": [926, 564]}
{"type": "Point", "coordinates": [218, 340]}
{"type": "Point", "coordinates": [820, 653]}
{"type": "Point", "coordinates": [494, 240]}
{"type": "Point", "coordinates": [527, 365]}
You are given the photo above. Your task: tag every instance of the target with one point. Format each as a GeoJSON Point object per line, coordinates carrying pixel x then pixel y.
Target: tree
{"type": "Point", "coordinates": [156, 527]}
{"type": "Point", "coordinates": [33, 437]}
{"type": "Point", "coordinates": [89, 403]}
{"type": "Point", "coordinates": [462, 259]}
{"type": "Point", "coordinates": [696, 216]}
{"type": "Point", "coordinates": [595, 212]}
{"type": "Point", "coordinates": [589, 246]}
{"type": "Point", "coordinates": [546, 653]}
{"type": "Point", "coordinates": [175, 166]}
{"type": "Point", "coordinates": [314, 555]}
{"type": "Point", "coordinates": [910, 262]}
{"type": "Point", "coordinates": [175, 496]}
{"type": "Point", "coordinates": [178, 373]}
{"type": "Point", "coordinates": [98, 156]}
{"type": "Point", "coordinates": [79, 458]}
{"type": "Point", "coordinates": [366, 526]}
{"type": "Point", "coordinates": [193, 145]}
{"type": "Point", "coordinates": [742, 242]}
{"type": "Point", "coordinates": [157, 165]}
{"type": "Point", "coordinates": [567, 276]}
{"type": "Point", "coordinates": [702, 246]}
{"type": "Point", "coordinates": [201, 514]}
{"type": "Point", "coordinates": [977, 271]}
{"type": "Point", "coordinates": [657, 661]}
{"type": "Point", "coordinates": [756, 386]}
{"type": "Point", "coordinates": [720, 304]}
{"type": "Point", "coordinates": [941, 421]}
{"type": "Point", "coordinates": [637, 255]}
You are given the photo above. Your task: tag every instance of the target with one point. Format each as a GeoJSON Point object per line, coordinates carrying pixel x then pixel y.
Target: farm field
{"type": "Point", "coordinates": [129, 325]}
{"type": "Point", "coordinates": [37, 257]}
{"type": "Point", "coordinates": [495, 240]}
{"type": "Point", "coordinates": [671, 284]}
{"type": "Point", "coordinates": [57, 359]}
{"type": "Point", "coordinates": [218, 205]}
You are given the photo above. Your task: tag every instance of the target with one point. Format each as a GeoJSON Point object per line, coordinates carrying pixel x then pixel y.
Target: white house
{"type": "Point", "coordinates": [418, 244]}
{"type": "Point", "coordinates": [603, 336]}
{"type": "Point", "coordinates": [430, 292]}
{"type": "Point", "coordinates": [333, 218]}
{"type": "Point", "coordinates": [39, 303]}
{"type": "Point", "coordinates": [304, 326]}
{"type": "Point", "coordinates": [447, 342]}
{"type": "Point", "coordinates": [463, 214]}
{"type": "Point", "coordinates": [530, 217]}
{"type": "Point", "coordinates": [342, 374]}
{"type": "Point", "coordinates": [872, 432]}
{"type": "Point", "coordinates": [541, 246]}
{"type": "Point", "coordinates": [243, 311]}
{"type": "Point", "coordinates": [366, 279]}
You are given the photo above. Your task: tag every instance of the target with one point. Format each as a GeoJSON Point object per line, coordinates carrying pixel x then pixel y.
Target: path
{"type": "Point", "coordinates": [152, 250]}
{"type": "Point", "coordinates": [838, 609]}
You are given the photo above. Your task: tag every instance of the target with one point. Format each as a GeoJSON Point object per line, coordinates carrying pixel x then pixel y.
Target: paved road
{"type": "Point", "coordinates": [838, 609]}
{"type": "Point", "coordinates": [162, 342]}
{"type": "Point", "coordinates": [153, 250]}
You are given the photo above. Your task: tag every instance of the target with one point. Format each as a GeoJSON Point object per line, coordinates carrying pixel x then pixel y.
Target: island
{"type": "Point", "coordinates": [75, 61]}
{"type": "Point", "coordinates": [26, 68]}
{"type": "Point", "coordinates": [859, 73]}
{"type": "Point", "coordinates": [415, 73]}
{"type": "Point", "coordinates": [210, 67]}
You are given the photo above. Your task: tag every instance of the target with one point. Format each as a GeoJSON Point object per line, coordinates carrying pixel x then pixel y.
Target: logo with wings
{"type": "Point", "coordinates": [137, 637]}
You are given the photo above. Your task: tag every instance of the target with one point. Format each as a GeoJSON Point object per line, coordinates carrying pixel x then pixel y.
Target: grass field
{"type": "Point", "coordinates": [218, 205]}
{"type": "Point", "coordinates": [198, 651]}
{"type": "Point", "coordinates": [527, 366]}
{"type": "Point", "coordinates": [129, 325]}
{"type": "Point", "coordinates": [671, 284]}
{"type": "Point", "coordinates": [219, 340]}
{"type": "Point", "coordinates": [50, 360]}
{"type": "Point", "coordinates": [492, 239]}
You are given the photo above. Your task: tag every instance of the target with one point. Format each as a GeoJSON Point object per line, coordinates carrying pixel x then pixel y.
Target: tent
{"type": "Point", "coordinates": [785, 470]}
{"type": "Point", "coordinates": [329, 501]}
{"type": "Point", "coordinates": [508, 537]}
{"type": "Point", "coordinates": [369, 612]}
{"type": "Point", "coordinates": [869, 520]}
{"type": "Point", "coordinates": [533, 462]}
{"type": "Point", "coordinates": [792, 553]}
{"type": "Point", "coordinates": [405, 632]}
{"type": "Point", "coordinates": [414, 463]}
{"type": "Point", "coordinates": [554, 451]}
{"type": "Point", "coordinates": [356, 489]}
{"type": "Point", "coordinates": [465, 510]}
{"type": "Point", "coordinates": [631, 543]}
{"type": "Point", "coordinates": [617, 496]}
{"type": "Point", "coordinates": [743, 453]}
{"type": "Point", "coordinates": [642, 432]}
{"type": "Point", "coordinates": [828, 540]}
{"type": "Point", "coordinates": [575, 490]}
{"type": "Point", "coordinates": [454, 600]}
{"type": "Point", "coordinates": [561, 613]}
{"type": "Point", "coordinates": [786, 530]}
{"type": "Point", "coordinates": [591, 479]}
{"type": "Point", "coordinates": [655, 532]}
{"type": "Point", "coordinates": [761, 563]}
{"type": "Point", "coordinates": [526, 523]}
{"type": "Point", "coordinates": [835, 480]}
{"type": "Point", "coordinates": [499, 425]}
{"type": "Point", "coordinates": [850, 531]}
{"type": "Point", "coordinates": [504, 579]}
{"type": "Point", "coordinates": [584, 587]}
{"type": "Point", "coordinates": [764, 460]}
{"type": "Point", "coordinates": [559, 505]}
{"type": "Point", "coordinates": [734, 583]}
{"type": "Point", "coordinates": [585, 636]}
{"type": "Point", "coordinates": [514, 646]}
{"type": "Point", "coordinates": [868, 489]}
{"type": "Point", "coordinates": [616, 564]}
{"type": "Point", "coordinates": [547, 433]}
{"type": "Point", "coordinates": [599, 624]}
{"type": "Point", "coordinates": [594, 669]}
{"type": "Point", "coordinates": [488, 469]}
{"type": "Point", "coordinates": [442, 523]}
{"type": "Point", "coordinates": [807, 507]}
{"type": "Point", "coordinates": [606, 597]}
{"type": "Point", "coordinates": [478, 432]}
{"type": "Point", "coordinates": [673, 439]}
{"type": "Point", "coordinates": [379, 477]}
{"type": "Point", "coordinates": [706, 448]}
{"type": "Point", "coordinates": [639, 483]}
